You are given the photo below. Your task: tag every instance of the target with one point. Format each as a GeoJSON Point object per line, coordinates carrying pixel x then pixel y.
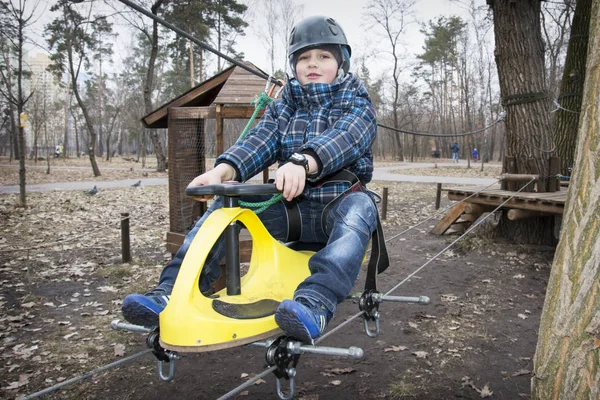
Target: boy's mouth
{"type": "Point", "coordinates": [313, 76]}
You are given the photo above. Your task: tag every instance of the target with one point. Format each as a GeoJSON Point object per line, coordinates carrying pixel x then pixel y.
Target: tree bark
{"type": "Point", "coordinates": [566, 363]}
{"type": "Point", "coordinates": [519, 57]}
{"type": "Point", "coordinates": [571, 88]}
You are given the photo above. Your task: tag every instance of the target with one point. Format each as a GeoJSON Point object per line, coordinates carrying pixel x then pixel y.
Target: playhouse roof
{"type": "Point", "coordinates": [232, 86]}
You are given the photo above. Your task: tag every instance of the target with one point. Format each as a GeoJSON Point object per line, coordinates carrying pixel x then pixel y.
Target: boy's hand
{"type": "Point", "coordinates": [219, 174]}
{"type": "Point", "coordinates": [290, 179]}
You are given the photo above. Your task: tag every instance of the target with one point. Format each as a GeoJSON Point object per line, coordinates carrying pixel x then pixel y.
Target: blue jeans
{"type": "Point", "coordinates": [346, 231]}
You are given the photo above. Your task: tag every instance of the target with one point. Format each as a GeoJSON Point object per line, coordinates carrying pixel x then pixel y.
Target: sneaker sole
{"type": "Point", "coordinates": [139, 315]}
{"type": "Point", "coordinates": [292, 326]}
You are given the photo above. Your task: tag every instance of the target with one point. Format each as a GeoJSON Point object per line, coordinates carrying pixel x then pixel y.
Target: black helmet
{"type": "Point", "coordinates": [314, 32]}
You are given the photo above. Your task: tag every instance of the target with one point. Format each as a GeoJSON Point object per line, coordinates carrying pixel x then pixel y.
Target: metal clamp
{"type": "Point", "coordinates": [370, 308]}
{"type": "Point", "coordinates": [163, 356]}
{"type": "Point", "coordinates": [279, 355]}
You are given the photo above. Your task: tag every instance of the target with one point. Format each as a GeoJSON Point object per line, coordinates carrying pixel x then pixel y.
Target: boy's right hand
{"type": "Point", "coordinates": [219, 174]}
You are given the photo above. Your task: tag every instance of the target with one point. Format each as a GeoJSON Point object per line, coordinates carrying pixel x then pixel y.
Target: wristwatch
{"type": "Point", "coordinates": [299, 159]}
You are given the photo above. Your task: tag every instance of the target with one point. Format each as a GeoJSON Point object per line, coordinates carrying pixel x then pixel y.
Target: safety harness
{"type": "Point", "coordinates": [379, 260]}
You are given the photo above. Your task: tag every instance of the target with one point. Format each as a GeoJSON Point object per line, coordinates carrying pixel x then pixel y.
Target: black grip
{"type": "Point", "coordinates": [232, 189]}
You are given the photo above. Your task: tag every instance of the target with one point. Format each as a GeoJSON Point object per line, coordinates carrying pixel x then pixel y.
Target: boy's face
{"type": "Point", "coordinates": [316, 66]}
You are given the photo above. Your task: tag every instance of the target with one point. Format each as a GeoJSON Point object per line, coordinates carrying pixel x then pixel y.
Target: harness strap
{"type": "Point", "coordinates": [294, 218]}
{"type": "Point", "coordinates": [379, 260]}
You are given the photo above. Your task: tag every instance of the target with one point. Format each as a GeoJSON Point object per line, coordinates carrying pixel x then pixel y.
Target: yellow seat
{"type": "Point", "coordinates": [193, 322]}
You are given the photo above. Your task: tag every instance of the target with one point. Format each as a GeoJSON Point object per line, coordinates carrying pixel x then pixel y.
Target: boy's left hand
{"type": "Point", "coordinates": [290, 178]}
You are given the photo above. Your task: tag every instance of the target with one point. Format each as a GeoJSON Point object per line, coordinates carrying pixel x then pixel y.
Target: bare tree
{"type": "Point", "coordinates": [566, 364]}
{"type": "Point", "coordinates": [150, 34]}
{"type": "Point", "coordinates": [556, 25]}
{"type": "Point", "coordinates": [73, 45]}
{"type": "Point", "coordinates": [391, 16]}
{"type": "Point", "coordinates": [21, 20]}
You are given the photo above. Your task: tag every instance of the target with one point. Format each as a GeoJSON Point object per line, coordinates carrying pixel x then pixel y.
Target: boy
{"type": "Point", "coordinates": [323, 124]}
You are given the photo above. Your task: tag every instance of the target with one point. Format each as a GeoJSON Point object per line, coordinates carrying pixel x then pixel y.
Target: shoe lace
{"type": "Point", "coordinates": [158, 292]}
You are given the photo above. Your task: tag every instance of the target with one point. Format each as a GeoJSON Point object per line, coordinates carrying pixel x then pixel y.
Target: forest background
{"type": "Point", "coordinates": [425, 71]}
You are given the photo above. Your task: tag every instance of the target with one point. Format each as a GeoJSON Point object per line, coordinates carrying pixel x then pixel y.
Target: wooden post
{"type": "Point", "coordinates": [541, 181]}
{"type": "Point", "coordinates": [384, 203]}
{"type": "Point", "coordinates": [219, 145]}
{"type": "Point", "coordinates": [438, 196]}
{"type": "Point", "coordinates": [125, 242]}
{"type": "Point", "coordinates": [554, 181]}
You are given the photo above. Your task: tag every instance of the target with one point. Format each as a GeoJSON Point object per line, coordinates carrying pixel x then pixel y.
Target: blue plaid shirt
{"type": "Point", "coordinates": [335, 123]}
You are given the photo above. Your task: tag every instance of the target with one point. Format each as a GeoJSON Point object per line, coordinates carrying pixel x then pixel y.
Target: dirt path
{"type": "Point", "coordinates": [61, 283]}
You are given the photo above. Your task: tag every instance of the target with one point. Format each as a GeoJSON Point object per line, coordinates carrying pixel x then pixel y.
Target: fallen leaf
{"type": "Point", "coordinates": [70, 335]}
{"type": "Point", "coordinates": [244, 375]}
{"type": "Point", "coordinates": [395, 348]}
{"type": "Point", "coordinates": [260, 381]}
{"type": "Point", "coordinates": [335, 383]}
{"type": "Point", "coordinates": [119, 350]}
{"type": "Point", "coordinates": [522, 316]}
{"type": "Point", "coordinates": [521, 372]}
{"type": "Point", "coordinates": [421, 354]}
{"type": "Point", "coordinates": [28, 305]}
{"type": "Point", "coordinates": [340, 371]}
{"type": "Point", "coordinates": [104, 289]}
{"type": "Point", "coordinates": [485, 392]}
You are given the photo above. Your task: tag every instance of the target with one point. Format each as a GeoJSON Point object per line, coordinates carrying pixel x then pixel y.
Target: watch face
{"type": "Point", "coordinates": [297, 158]}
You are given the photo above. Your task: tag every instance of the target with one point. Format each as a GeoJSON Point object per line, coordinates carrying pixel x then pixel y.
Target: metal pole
{"type": "Point", "coordinates": [125, 243]}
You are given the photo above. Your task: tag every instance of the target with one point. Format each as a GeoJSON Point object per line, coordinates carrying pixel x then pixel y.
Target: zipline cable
{"type": "Point", "coordinates": [89, 374]}
{"type": "Point", "coordinates": [250, 382]}
{"type": "Point", "coordinates": [198, 42]}
{"type": "Point", "coordinates": [500, 118]}
{"type": "Point", "coordinates": [471, 228]}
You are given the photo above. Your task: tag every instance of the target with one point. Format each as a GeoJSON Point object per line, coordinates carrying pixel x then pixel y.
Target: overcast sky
{"type": "Point", "coordinates": [349, 13]}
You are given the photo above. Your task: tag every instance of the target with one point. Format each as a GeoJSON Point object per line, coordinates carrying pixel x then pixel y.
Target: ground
{"type": "Point", "coordinates": [62, 282]}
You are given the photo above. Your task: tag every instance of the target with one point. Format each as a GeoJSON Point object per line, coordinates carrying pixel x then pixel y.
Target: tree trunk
{"type": "Point", "coordinates": [519, 57]}
{"type": "Point", "coordinates": [571, 88]}
{"type": "Point", "coordinates": [161, 161]}
{"type": "Point", "coordinates": [566, 363]}
{"type": "Point", "coordinates": [89, 125]}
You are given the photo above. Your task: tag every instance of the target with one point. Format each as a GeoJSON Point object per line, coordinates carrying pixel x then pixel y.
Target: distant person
{"type": "Point", "coordinates": [57, 151]}
{"type": "Point", "coordinates": [455, 148]}
{"type": "Point", "coordinates": [475, 154]}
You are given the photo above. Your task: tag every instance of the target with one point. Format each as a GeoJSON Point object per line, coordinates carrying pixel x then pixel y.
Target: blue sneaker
{"type": "Point", "coordinates": [143, 309]}
{"type": "Point", "coordinates": [302, 320]}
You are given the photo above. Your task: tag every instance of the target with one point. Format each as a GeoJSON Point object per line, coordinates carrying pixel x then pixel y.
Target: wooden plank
{"type": "Point", "coordinates": [192, 112]}
{"type": "Point", "coordinates": [174, 241]}
{"type": "Point", "coordinates": [187, 97]}
{"type": "Point", "coordinates": [450, 218]}
{"type": "Point", "coordinates": [239, 112]}
{"type": "Point", "coordinates": [514, 203]}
